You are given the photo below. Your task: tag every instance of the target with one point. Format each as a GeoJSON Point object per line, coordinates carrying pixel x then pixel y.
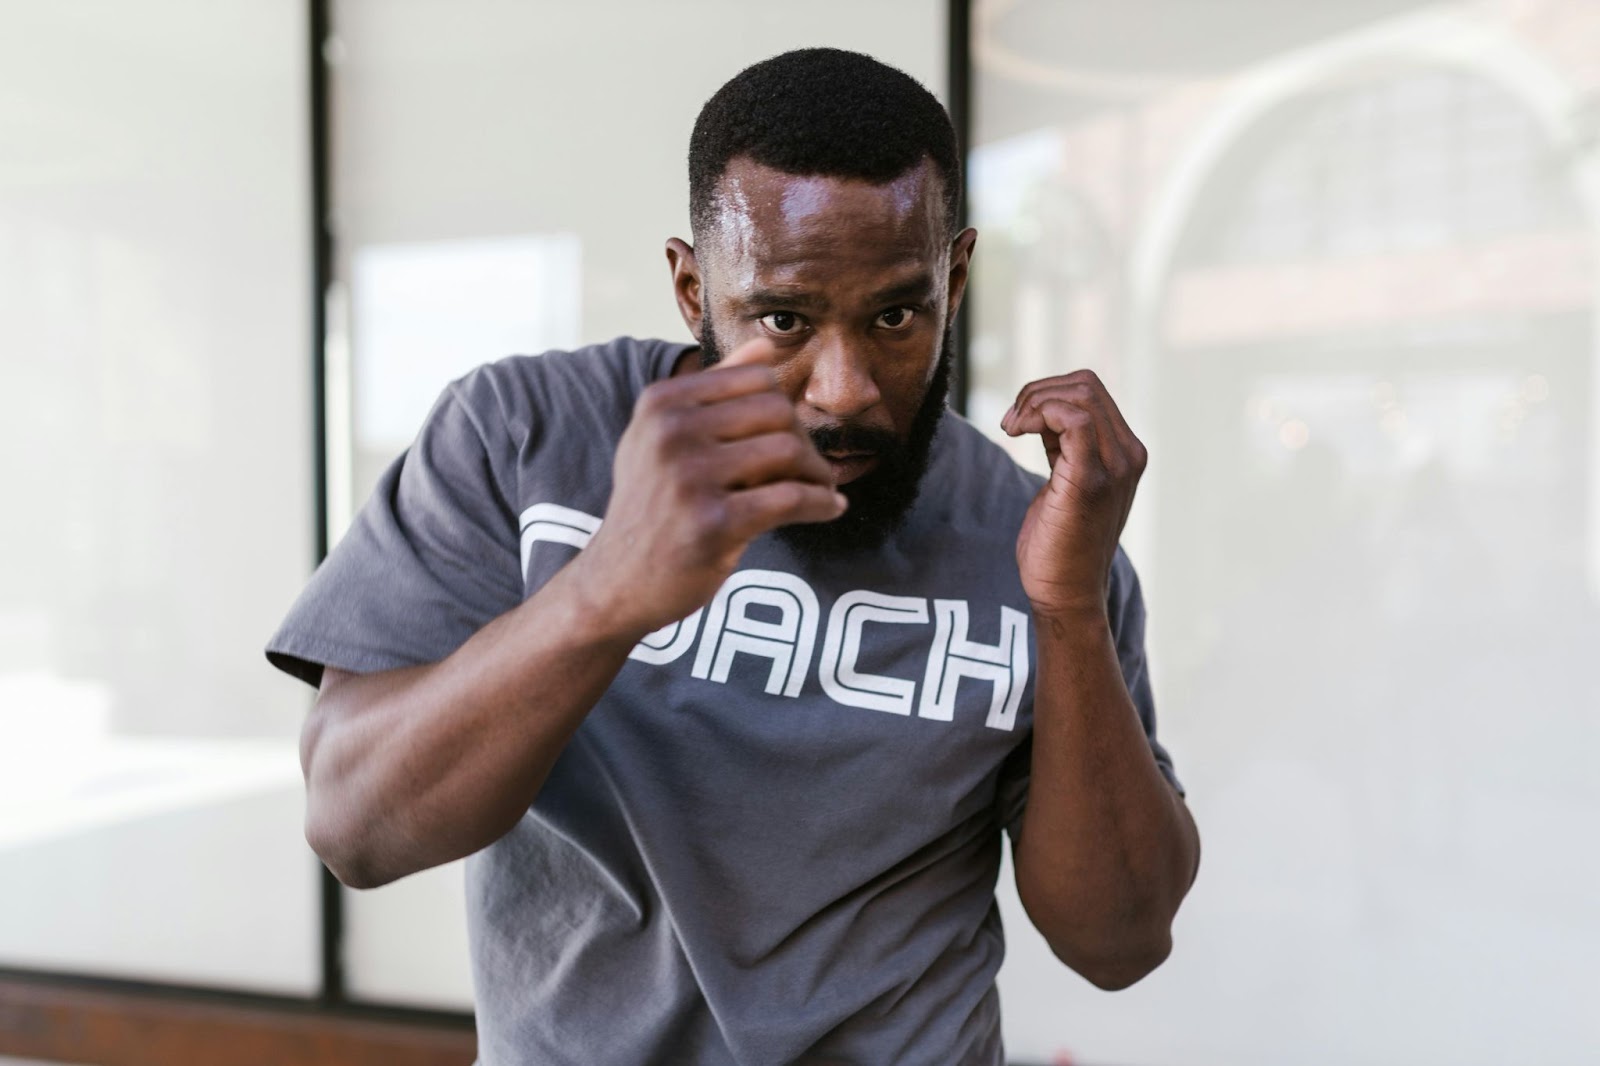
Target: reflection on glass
{"type": "Point", "coordinates": [1340, 273]}
{"type": "Point", "coordinates": [424, 314]}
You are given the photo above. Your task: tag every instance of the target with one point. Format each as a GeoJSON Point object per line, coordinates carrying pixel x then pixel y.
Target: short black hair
{"type": "Point", "coordinates": [822, 111]}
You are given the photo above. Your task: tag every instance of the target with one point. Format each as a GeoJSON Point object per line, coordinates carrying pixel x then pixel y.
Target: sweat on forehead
{"type": "Point", "coordinates": [758, 210]}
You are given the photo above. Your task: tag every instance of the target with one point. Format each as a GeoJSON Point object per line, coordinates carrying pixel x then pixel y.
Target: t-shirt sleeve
{"type": "Point", "coordinates": [431, 558]}
{"type": "Point", "coordinates": [1127, 615]}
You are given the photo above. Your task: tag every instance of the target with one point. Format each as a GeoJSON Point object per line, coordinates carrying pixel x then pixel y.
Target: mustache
{"type": "Point", "coordinates": [847, 438]}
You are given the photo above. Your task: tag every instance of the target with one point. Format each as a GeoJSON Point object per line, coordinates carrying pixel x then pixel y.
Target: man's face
{"type": "Point", "coordinates": [855, 284]}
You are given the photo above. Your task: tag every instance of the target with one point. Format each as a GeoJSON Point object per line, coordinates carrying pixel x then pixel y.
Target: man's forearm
{"type": "Point", "coordinates": [411, 768]}
{"type": "Point", "coordinates": [1107, 848]}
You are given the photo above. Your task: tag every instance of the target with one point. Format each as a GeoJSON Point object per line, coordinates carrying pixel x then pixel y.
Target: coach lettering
{"type": "Point", "coordinates": [727, 628]}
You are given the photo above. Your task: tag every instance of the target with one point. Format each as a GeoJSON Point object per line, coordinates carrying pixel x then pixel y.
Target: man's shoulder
{"type": "Point", "coordinates": [980, 461]}
{"type": "Point", "coordinates": [973, 490]}
{"type": "Point", "coordinates": [606, 376]}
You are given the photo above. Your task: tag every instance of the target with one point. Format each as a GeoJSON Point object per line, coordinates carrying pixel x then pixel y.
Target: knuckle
{"type": "Point", "coordinates": [761, 409]}
{"type": "Point", "coordinates": [773, 409]}
{"type": "Point", "coordinates": [673, 425]}
{"type": "Point", "coordinates": [787, 495]}
{"type": "Point", "coordinates": [710, 513]}
{"type": "Point", "coordinates": [1072, 416]}
{"type": "Point", "coordinates": [693, 468]}
{"type": "Point", "coordinates": [684, 489]}
{"type": "Point", "coordinates": [1096, 482]}
{"type": "Point", "coordinates": [649, 401]}
{"type": "Point", "coordinates": [781, 409]}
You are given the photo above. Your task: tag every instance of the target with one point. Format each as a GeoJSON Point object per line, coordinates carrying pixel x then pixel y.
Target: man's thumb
{"type": "Point", "coordinates": [756, 350]}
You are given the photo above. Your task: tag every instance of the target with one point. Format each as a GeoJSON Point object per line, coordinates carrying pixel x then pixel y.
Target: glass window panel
{"type": "Point", "coordinates": [155, 451]}
{"type": "Point", "coordinates": [1370, 528]}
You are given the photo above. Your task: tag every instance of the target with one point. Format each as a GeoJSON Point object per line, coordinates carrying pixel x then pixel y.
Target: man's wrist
{"type": "Point", "coordinates": [1071, 617]}
{"type": "Point", "coordinates": [597, 614]}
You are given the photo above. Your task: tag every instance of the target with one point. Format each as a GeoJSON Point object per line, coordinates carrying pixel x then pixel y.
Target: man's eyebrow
{"type": "Point", "coordinates": [913, 288]}
{"type": "Point", "coordinates": [917, 288]}
{"type": "Point", "coordinates": [782, 298]}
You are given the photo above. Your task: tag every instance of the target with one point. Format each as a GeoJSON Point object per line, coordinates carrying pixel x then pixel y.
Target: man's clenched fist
{"type": "Point", "coordinates": [710, 461]}
{"type": "Point", "coordinates": [1069, 537]}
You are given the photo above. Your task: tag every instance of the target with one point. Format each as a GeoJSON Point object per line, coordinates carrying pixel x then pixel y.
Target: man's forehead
{"type": "Point", "coordinates": [805, 197]}
{"type": "Point", "coordinates": [762, 210]}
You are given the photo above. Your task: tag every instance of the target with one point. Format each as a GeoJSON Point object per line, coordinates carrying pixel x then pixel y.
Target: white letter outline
{"type": "Point", "coordinates": [555, 524]}
{"type": "Point", "coordinates": [788, 642]}
{"type": "Point", "coordinates": [954, 657]}
{"type": "Point", "coordinates": [842, 644]}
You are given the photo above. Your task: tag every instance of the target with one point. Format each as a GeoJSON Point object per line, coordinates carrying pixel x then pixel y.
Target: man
{"type": "Point", "coordinates": [727, 665]}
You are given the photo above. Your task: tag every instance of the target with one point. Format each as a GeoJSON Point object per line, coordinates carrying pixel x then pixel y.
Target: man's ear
{"type": "Point", "coordinates": [960, 267]}
{"type": "Point", "coordinates": [686, 285]}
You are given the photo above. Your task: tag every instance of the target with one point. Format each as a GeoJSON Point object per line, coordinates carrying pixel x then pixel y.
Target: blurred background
{"type": "Point", "coordinates": [1336, 261]}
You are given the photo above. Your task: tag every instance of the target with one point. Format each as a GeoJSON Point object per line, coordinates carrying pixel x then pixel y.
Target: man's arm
{"type": "Point", "coordinates": [413, 767]}
{"type": "Point", "coordinates": [1107, 848]}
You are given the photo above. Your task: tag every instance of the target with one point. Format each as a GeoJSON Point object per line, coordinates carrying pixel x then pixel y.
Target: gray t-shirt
{"type": "Point", "coordinates": [775, 839]}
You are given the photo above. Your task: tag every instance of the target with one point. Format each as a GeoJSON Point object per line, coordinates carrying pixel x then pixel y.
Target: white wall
{"type": "Point", "coordinates": [155, 453]}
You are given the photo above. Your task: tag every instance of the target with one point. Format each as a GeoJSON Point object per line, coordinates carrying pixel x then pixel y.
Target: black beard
{"type": "Point", "coordinates": [881, 498]}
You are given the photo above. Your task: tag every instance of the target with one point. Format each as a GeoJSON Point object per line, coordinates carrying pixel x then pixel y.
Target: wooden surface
{"type": "Point", "coordinates": [100, 1026]}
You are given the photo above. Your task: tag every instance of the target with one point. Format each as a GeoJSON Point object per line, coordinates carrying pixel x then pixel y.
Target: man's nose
{"type": "Point", "coordinates": [840, 382]}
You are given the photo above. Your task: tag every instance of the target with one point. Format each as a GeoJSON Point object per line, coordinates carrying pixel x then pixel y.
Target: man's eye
{"type": "Point", "coordinates": [896, 318]}
{"type": "Point", "coordinates": [784, 323]}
